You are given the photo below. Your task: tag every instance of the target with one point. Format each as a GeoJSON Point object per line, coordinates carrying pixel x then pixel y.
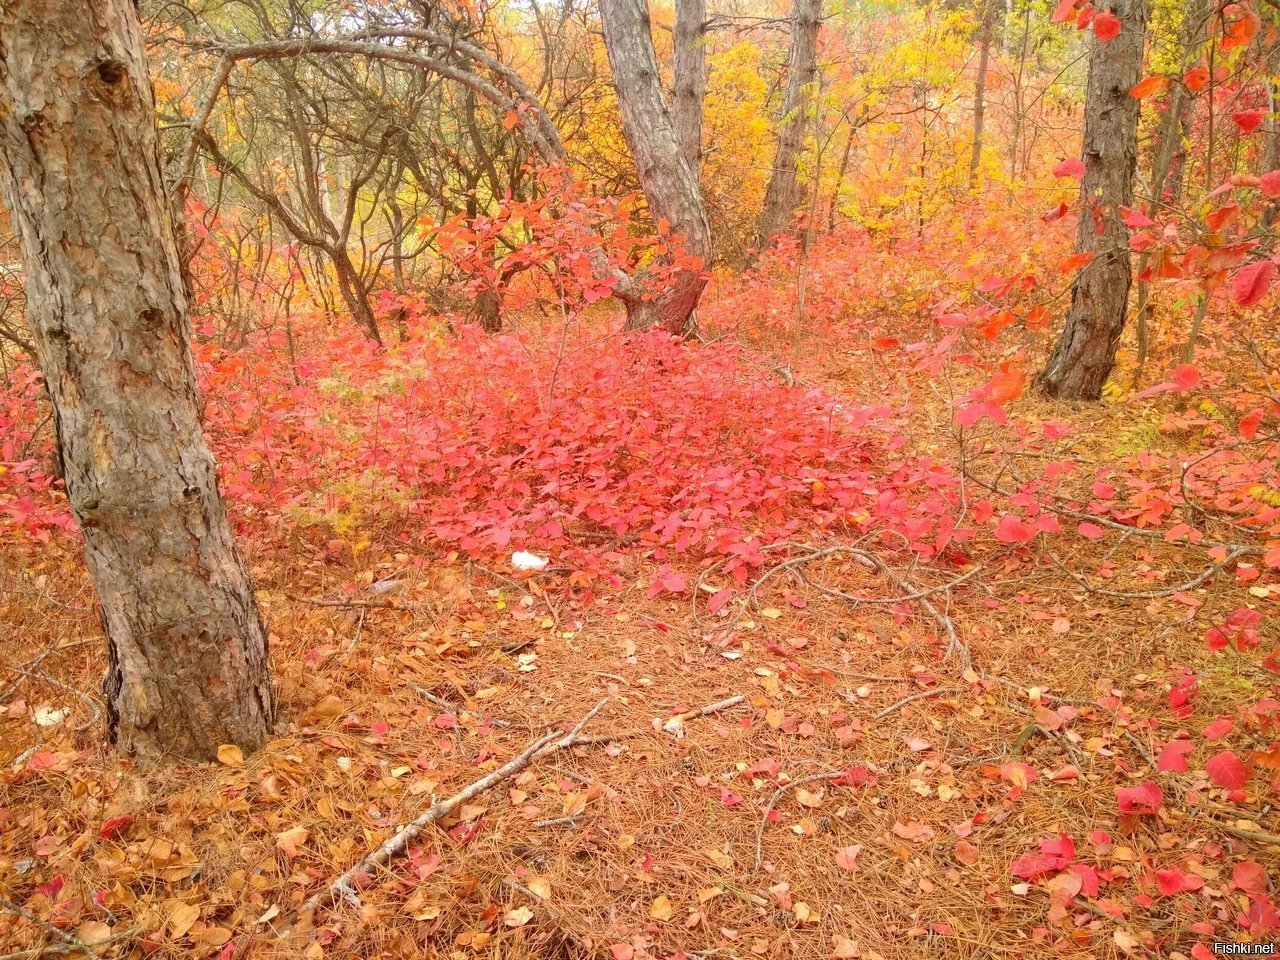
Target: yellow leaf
{"type": "Point", "coordinates": [518, 917]}
{"type": "Point", "coordinates": [660, 909]}
{"type": "Point", "coordinates": [719, 858]}
{"type": "Point", "coordinates": [181, 919]}
{"type": "Point", "coordinates": [289, 841]}
{"type": "Point", "coordinates": [773, 613]}
{"type": "Point", "coordinates": [540, 886]}
{"type": "Point", "coordinates": [807, 799]}
{"type": "Point", "coordinates": [804, 913]}
{"type": "Point", "coordinates": [230, 755]}
{"type": "Point", "coordinates": [575, 803]}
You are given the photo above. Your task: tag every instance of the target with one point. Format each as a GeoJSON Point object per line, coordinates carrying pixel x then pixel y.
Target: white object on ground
{"type": "Point", "coordinates": [528, 561]}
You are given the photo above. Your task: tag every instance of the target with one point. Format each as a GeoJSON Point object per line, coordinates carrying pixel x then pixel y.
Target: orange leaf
{"type": "Point", "coordinates": [1149, 87]}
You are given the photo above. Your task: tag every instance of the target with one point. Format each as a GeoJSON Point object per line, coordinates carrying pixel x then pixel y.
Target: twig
{"type": "Point", "coordinates": [321, 602]}
{"type": "Point", "coordinates": [517, 647]}
{"type": "Point", "coordinates": [773, 802]}
{"type": "Point", "coordinates": [911, 699]}
{"type": "Point", "coordinates": [559, 821]}
{"type": "Point", "coordinates": [675, 726]}
{"type": "Point", "coordinates": [343, 887]}
{"type": "Point", "coordinates": [355, 637]}
{"type": "Point", "coordinates": [84, 697]}
{"type": "Point", "coordinates": [69, 942]}
{"type": "Point", "coordinates": [1257, 836]}
{"type": "Point", "coordinates": [430, 697]}
{"type": "Point", "coordinates": [39, 659]}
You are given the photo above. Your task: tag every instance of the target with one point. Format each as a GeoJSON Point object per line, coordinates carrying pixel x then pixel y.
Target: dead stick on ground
{"type": "Point", "coordinates": [773, 802]}
{"type": "Point", "coordinates": [675, 725]}
{"type": "Point", "coordinates": [923, 694]}
{"type": "Point", "coordinates": [343, 888]}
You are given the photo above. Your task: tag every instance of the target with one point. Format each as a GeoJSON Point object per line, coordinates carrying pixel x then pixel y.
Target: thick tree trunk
{"type": "Point", "coordinates": [690, 78]}
{"type": "Point", "coordinates": [1086, 351]}
{"type": "Point", "coordinates": [784, 194]}
{"type": "Point", "coordinates": [81, 175]}
{"type": "Point", "coordinates": [988, 9]}
{"type": "Point", "coordinates": [668, 181]}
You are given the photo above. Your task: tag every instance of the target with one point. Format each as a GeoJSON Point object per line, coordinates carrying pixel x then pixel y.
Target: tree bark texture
{"type": "Point", "coordinates": [1085, 352]}
{"type": "Point", "coordinates": [784, 194]}
{"type": "Point", "coordinates": [690, 78]}
{"type": "Point", "coordinates": [80, 172]}
{"type": "Point", "coordinates": [669, 182]}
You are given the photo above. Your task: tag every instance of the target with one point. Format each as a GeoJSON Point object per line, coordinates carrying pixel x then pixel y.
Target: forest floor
{"type": "Point", "coordinates": [876, 792]}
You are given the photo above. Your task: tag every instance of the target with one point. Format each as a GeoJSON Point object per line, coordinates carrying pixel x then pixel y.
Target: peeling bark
{"type": "Point", "coordinates": [1086, 351]}
{"type": "Point", "coordinates": [187, 649]}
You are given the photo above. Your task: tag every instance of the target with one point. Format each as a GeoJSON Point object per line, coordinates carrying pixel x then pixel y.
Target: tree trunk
{"type": "Point", "coordinates": [690, 78]}
{"type": "Point", "coordinates": [187, 650]}
{"type": "Point", "coordinates": [353, 292]}
{"type": "Point", "coordinates": [783, 194]}
{"type": "Point", "coordinates": [988, 8]}
{"type": "Point", "coordinates": [669, 183]}
{"type": "Point", "coordinates": [1086, 351]}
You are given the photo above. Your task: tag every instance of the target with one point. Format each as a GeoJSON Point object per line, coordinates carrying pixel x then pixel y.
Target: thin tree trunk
{"type": "Point", "coordinates": [1086, 351]}
{"type": "Point", "coordinates": [783, 194]}
{"type": "Point", "coordinates": [353, 292]}
{"type": "Point", "coordinates": [1171, 141]}
{"type": "Point", "coordinates": [690, 78]}
{"type": "Point", "coordinates": [980, 89]}
{"type": "Point", "coordinates": [669, 183]}
{"type": "Point", "coordinates": [187, 650]}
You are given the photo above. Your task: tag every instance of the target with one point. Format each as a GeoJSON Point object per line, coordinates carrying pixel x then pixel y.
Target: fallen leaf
{"type": "Point", "coordinates": [660, 909]}
{"type": "Point", "coordinates": [230, 755]}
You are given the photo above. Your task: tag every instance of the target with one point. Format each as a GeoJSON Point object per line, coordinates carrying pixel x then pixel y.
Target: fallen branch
{"type": "Point", "coordinates": [923, 694]}
{"type": "Point", "coordinates": [343, 887]}
{"type": "Point", "coordinates": [910, 592]}
{"type": "Point", "coordinates": [675, 726]}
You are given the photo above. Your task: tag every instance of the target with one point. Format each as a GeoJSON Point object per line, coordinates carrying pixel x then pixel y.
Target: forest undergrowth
{"type": "Point", "coordinates": [882, 655]}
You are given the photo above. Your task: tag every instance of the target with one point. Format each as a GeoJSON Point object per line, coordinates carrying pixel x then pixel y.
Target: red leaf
{"type": "Point", "coordinates": [1173, 758]}
{"type": "Point", "coordinates": [1035, 865]}
{"type": "Point", "coordinates": [1252, 282]}
{"type": "Point", "coordinates": [114, 826]}
{"type": "Point", "coordinates": [1270, 183]}
{"type": "Point", "coordinates": [1090, 531]}
{"type": "Point", "coordinates": [1249, 120]}
{"type": "Point", "coordinates": [1136, 220]}
{"type": "Point", "coordinates": [1073, 167]}
{"type": "Point", "coordinates": [1227, 770]}
{"type": "Point", "coordinates": [1185, 376]}
{"type": "Point", "coordinates": [1219, 728]}
{"type": "Point", "coordinates": [1175, 880]}
{"type": "Point", "coordinates": [729, 798]}
{"type": "Point", "coordinates": [1013, 529]}
{"type": "Point", "coordinates": [1196, 77]}
{"type": "Point", "coordinates": [1106, 27]}
{"type": "Point", "coordinates": [1061, 846]}
{"type": "Point", "coordinates": [1249, 424]}
{"type": "Point", "coordinates": [1223, 216]}
{"type": "Point", "coordinates": [1066, 10]}
{"type": "Point", "coordinates": [1144, 799]}
{"type": "Point", "coordinates": [1250, 877]}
